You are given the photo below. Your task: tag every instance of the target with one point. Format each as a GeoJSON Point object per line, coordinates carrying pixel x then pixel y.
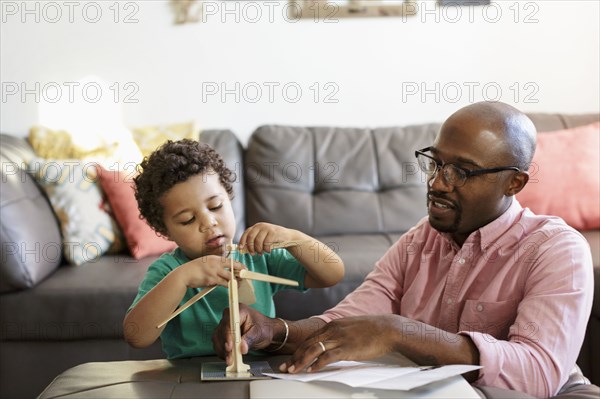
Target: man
{"type": "Point", "coordinates": [480, 281]}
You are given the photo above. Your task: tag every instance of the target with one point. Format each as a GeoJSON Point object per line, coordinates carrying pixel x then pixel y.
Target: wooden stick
{"type": "Point", "coordinates": [189, 303]}
{"type": "Point", "coordinates": [266, 277]}
{"type": "Point", "coordinates": [275, 245]}
{"type": "Point", "coordinates": [237, 366]}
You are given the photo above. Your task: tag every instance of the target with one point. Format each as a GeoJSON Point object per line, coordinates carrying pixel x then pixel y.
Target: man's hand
{"type": "Point", "coordinates": [256, 332]}
{"type": "Point", "coordinates": [369, 337]}
{"type": "Point", "coordinates": [351, 338]}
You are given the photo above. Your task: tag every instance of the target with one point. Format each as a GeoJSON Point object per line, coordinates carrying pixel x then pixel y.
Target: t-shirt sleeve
{"type": "Point", "coordinates": [281, 263]}
{"type": "Point", "coordinates": [156, 272]}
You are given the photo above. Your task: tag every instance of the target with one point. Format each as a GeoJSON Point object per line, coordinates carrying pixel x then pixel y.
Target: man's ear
{"type": "Point", "coordinates": [516, 183]}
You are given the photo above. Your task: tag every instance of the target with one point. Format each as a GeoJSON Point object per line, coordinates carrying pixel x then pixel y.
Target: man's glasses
{"type": "Point", "coordinates": [452, 174]}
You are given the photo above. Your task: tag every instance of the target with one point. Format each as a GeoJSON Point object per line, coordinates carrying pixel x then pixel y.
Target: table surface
{"type": "Point", "coordinates": [175, 379]}
{"type": "Point", "coordinates": [148, 379]}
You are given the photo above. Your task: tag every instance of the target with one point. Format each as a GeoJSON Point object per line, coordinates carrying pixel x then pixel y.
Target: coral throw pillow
{"type": "Point", "coordinates": [565, 177]}
{"type": "Point", "coordinates": [141, 239]}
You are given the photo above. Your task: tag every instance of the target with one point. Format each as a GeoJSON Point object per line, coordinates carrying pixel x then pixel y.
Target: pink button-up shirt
{"type": "Point", "coordinates": [521, 287]}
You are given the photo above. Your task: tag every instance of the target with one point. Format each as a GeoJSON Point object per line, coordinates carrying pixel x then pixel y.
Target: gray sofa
{"type": "Point", "coordinates": [355, 189]}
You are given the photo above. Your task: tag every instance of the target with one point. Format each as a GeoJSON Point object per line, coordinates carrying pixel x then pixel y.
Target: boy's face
{"type": "Point", "coordinates": [198, 215]}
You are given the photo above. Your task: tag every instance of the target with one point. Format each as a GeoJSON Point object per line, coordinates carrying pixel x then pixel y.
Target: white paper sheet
{"type": "Point", "coordinates": [450, 388]}
{"type": "Point", "coordinates": [378, 376]}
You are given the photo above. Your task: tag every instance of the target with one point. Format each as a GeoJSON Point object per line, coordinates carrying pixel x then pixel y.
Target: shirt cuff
{"type": "Point", "coordinates": [323, 317]}
{"type": "Point", "coordinates": [489, 358]}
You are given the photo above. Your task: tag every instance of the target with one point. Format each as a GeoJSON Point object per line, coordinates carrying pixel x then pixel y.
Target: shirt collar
{"type": "Point", "coordinates": [491, 232]}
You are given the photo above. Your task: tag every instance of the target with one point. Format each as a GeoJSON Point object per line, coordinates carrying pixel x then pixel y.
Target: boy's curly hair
{"type": "Point", "coordinates": [175, 162]}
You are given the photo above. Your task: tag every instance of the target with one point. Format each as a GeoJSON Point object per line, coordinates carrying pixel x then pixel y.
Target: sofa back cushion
{"type": "Point", "coordinates": [553, 122]}
{"type": "Point", "coordinates": [29, 232]}
{"type": "Point", "coordinates": [228, 146]}
{"type": "Point", "coordinates": [326, 180]}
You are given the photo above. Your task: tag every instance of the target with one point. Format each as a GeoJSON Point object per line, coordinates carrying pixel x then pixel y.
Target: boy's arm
{"type": "Point", "coordinates": [140, 322]}
{"type": "Point", "coordinates": [323, 266]}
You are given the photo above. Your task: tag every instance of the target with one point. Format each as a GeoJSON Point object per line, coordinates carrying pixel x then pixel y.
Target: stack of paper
{"type": "Point", "coordinates": [378, 376]}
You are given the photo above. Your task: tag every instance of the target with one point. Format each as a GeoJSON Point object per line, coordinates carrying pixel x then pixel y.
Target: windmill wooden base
{"type": "Point", "coordinates": [217, 372]}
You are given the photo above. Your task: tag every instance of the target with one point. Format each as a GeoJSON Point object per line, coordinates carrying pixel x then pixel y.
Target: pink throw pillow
{"type": "Point", "coordinates": [141, 239]}
{"type": "Point", "coordinates": [565, 176]}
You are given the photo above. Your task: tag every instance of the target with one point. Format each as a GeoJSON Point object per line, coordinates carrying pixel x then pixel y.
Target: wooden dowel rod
{"type": "Point", "coordinates": [186, 305]}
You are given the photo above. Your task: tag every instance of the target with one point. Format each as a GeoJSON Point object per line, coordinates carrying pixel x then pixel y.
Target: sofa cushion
{"type": "Point", "coordinates": [564, 176]}
{"type": "Point", "coordinates": [15, 151]}
{"type": "Point", "coordinates": [550, 122]}
{"type": "Point", "coordinates": [593, 239]}
{"type": "Point", "coordinates": [359, 252]}
{"type": "Point", "coordinates": [328, 181]}
{"type": "Point", "coordinates": [228, 146]}
{"type": "Point", "coordinates": [29, 232]}
{"type": "Point", "coordinates": [74, 303]}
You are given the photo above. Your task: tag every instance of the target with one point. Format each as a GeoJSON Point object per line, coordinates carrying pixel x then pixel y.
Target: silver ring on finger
{"type": "Point", "coordinates": [322, 347]}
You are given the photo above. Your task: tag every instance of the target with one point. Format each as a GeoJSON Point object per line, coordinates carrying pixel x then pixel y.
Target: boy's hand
{"type": "Point", "coordinates": [259, 238]}
{"type": "Point", "coordinates": [209, 270]}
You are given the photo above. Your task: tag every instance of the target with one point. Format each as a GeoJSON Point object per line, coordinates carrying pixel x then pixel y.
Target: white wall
{"type": "Point", "coordinates": [543, 58]}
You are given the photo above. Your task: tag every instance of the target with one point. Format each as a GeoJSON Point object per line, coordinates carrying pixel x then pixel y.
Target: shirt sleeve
{"type": "Point", "coordinates": [380, 292]}
{"type": "Point", "coordinates": [156, 272]}
{"type": "Point", "coordinates": [546, 336]}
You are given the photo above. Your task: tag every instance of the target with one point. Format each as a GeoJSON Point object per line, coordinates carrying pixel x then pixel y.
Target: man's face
{"type": "Point", "coordinates": [198, 215]}
{"type": "Point", "coordinates": [464, 141]}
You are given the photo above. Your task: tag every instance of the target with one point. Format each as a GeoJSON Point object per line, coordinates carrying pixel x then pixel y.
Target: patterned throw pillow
{"type": "Point", "coordinates": [150, 138]}
{"type": "Point", "coordinates": [72, 186]}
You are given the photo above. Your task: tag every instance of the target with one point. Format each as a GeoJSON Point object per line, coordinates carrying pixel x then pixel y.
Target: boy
{"type": "Point", "coordinates": [184, 192]}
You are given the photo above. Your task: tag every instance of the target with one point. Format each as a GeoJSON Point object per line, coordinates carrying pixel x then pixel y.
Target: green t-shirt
{"type": "Point", "coordinates": [189, 334]}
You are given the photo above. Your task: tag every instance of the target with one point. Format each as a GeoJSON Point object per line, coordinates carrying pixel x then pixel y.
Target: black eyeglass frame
{"type": "Point", "coordinates": [468, 173]}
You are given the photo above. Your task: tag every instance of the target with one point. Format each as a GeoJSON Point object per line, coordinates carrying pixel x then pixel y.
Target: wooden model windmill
{"type": "Point", "coordinates": [244, 293]}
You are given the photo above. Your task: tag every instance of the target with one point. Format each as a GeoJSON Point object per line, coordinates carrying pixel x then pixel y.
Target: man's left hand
{"type": "Point", "coordinates": [352, 338]}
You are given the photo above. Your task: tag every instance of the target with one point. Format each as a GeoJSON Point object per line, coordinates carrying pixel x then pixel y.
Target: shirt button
{"type": "Point", "coordinates": [461, 261]}
{"type": "Point", "coordinates": [449, 301]}
{"type": "Point", "coordinates": [479, 307]}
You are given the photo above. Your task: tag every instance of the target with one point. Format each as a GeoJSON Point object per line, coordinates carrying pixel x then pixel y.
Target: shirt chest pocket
{"type": "Point", "coordinates": [493, 318]}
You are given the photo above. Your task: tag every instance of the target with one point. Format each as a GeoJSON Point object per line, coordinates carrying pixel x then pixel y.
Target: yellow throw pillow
{"type": "Point", "coordinates": [59, 144]}
{"type": "Point", "coordinates": [115, 150]}
{"type": "Point", "coordinates": [150, 138]}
